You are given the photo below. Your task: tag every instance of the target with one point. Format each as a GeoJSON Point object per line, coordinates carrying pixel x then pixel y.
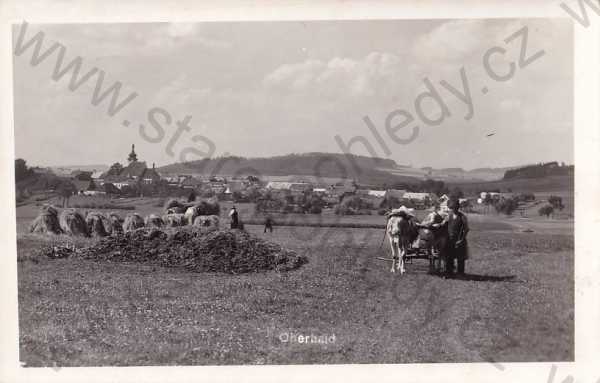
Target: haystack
{"type": "Point", "coordinates": [209, 207]}
{"type": "Point", "coordinates": [174, 220]}
{"type": "Point", "coordinates": [173, 203]}
{"type": "Point", "coordinates": [175, 210]}
{"type": "Point", "coordinates": [105, 218]}
{"type": "Point", "coordinates": [95, 224]}
{"type": "Point", "coordinates": [46, 222]}
{"type": "Point", "coordinates": [73, 223]}
{"type": "Point", "coordinates": [116, 224]}
{"type": "Point", "coordinates": [132, 222]}
{"type": "Point", "coordinates": [154, 221]}
{"type": "Point", "coordinates": [210, 222]}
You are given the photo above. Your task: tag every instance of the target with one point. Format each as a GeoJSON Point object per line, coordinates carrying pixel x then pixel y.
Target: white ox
{"type": "Point", "coordinates": [401, 231]}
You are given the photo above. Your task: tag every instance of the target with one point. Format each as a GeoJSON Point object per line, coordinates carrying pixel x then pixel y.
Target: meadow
{"type": "Point", "coordinates": [515, 304]}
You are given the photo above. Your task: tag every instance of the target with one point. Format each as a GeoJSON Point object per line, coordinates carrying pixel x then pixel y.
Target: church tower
{"type": "Point", "coordinates": [132, 156]}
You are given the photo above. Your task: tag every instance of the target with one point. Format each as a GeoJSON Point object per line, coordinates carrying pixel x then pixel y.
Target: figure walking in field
{"type": "Point", "coordinates": [458, 227]}
{"type": "Point", "coordinates": [233, 216]}
{"type": "Point", "coordinates": [268, 224]}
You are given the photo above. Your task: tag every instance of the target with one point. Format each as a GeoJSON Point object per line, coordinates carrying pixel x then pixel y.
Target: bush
{"type": "Point", "coordinates": [546, 210]}
{"type": "Point", "coordinates": [526, 197]}
{"type": "Point", "coordinates": [506, 205]}
{"type": "Point", "coordinates": [556, 202]}
{"type": "Point", "coordinates": [353, 205]}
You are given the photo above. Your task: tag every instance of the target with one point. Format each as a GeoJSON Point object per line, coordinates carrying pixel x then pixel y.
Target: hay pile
{"type": "Point", "coordinates": [172, 204]}
{"type": "Point", "coordinates": [73, 223]}
{"type": "Point", "coordinates": [207, 221]}
{"type": "Point", "coordinates": [227, 251]}
{"type": "Point", "coordinates": [116, 224]}
{"type": "Point", "coordinates": [209, 207]}
{"type": "Point", "coordinates": [154, 221]}
{"type": "Point", "coordinates": [133, 221]}
{"type": "Point", "coordinates": [174, 220]}
{"type": "Point", "coordinates": [95, 224]}
{"type": "Point", "coordinates": [46, 222]}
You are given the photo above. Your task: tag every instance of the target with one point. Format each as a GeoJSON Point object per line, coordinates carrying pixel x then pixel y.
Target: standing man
{"type": "Point", "coordinates": [458, 227]}
{"type": "Point", "coordinates": [233, 215]}
{"type": "Point", "coordinates": [268, 224]}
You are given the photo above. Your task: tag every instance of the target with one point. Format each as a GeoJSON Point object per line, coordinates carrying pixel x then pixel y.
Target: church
{"type": "Point", "coordinates": [135, 173]}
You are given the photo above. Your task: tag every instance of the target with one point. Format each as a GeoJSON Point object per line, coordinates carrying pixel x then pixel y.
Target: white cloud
{"type": "Point", "coordinates": [377, 74]}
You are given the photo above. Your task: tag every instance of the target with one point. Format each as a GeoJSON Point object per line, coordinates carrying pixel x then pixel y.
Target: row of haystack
{"type": "Point", "coordinates": [96, 224]}
{"type": "Point", "coordinates": [203, 213]}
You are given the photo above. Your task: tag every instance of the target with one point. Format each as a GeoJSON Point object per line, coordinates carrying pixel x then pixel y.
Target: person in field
{"type": "Point", "coordinates": [268, 224]}
{"type": "Point", "coordinates": [458, 228]}
{"type": "Point", "coordinates": [433, 219]}
{"type": "Point", "coordinates": [233, 216]}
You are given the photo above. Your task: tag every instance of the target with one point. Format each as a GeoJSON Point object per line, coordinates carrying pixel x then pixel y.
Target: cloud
{"type": "Point", "coordinates": [375, 75]}
{"type": "Point", "coordinates": [453, 40]}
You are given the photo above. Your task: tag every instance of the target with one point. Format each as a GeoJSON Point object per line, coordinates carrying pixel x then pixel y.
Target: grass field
{"type": "Point", "coordinates": [514, 305]}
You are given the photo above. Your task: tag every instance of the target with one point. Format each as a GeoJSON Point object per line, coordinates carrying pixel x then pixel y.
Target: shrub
{"type": "Point", "coordinates": [506, 205]}
{"type": "Point", "coordinates": [526, 197]}
{"type": "Point", "coordinates": [556, 202]}
{"type": "Point", "coordinates": [546, 210]}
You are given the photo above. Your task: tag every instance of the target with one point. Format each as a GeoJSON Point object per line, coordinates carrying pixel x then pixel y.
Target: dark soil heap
{"type": "Point", "coordinates": [228, 251]}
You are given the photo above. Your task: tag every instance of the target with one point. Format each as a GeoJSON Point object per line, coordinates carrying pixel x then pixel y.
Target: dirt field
{"type": "Point", "coordinates": [515, 304]}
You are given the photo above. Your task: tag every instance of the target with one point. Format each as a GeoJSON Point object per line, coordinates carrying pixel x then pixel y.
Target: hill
{"type": "Point", "coordinates": [540, 170]}
{"type": "Point", "coordinates": [560, 183]}
{"type": "Point", "coordinates": [365, 170]}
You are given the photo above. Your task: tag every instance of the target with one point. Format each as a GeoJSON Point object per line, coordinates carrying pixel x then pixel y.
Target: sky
{"type": "Point", "coordinates": [259, 89]}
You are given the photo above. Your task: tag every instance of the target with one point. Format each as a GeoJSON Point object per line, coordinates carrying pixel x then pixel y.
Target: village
{"type": "Point", "coordinates": [285, 194]}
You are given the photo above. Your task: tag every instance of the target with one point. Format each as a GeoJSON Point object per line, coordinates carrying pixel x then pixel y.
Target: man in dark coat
{"type": "Point", "coordinates": [268, 224]}
{"type": "Point", "coordinates": [233, 215]}
{"type": "Point", "coordinates": [458, 227]}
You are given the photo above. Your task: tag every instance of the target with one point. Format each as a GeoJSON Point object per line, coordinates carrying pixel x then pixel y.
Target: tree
{"type": "Point", "coordinates": [115, 169]}
{"type": "Point", "coordinates": [389, 202]}
{"type": "Point", "coordinates": [456, 193]}
{"type": "Point", "coordinates": [546, 210]}
{"type": "Point", "coordinates": [556, 202]}
{"type": "Point", "coordinates": [65, 190]}
{"type": "Point", "coordinates": [21, 169]}
{"type": "Point", "coordinates": [506, 205]}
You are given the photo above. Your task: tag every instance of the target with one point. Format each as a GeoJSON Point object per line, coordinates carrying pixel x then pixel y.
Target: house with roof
{"type": "Point", "coordinates": [191, 183]}
{"type": "Point", "coordinates": [395, 193]}
{"type": "Point", "coordinates": [375, 197]}
{"type": "Point", "coordinates": [135, 173]}
{"type": "Point", "coordinates": [420, 200]}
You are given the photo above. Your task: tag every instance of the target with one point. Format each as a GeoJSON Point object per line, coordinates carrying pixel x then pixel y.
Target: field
{"type": "Point", "coordinates": [514, 305]}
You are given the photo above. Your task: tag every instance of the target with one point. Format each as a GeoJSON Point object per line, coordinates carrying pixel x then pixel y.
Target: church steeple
{"type": "Point", "coordinates": [132, 156]}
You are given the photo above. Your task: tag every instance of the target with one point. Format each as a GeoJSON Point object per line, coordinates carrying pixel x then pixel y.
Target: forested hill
{"type": "Point", "coordinates": [309, 164]}
{"type": "Point", "coordinates": [540, 170]}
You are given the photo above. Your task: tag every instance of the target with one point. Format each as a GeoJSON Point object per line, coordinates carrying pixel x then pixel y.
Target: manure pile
{"type": "Point", "coordinates": [228, 251]}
